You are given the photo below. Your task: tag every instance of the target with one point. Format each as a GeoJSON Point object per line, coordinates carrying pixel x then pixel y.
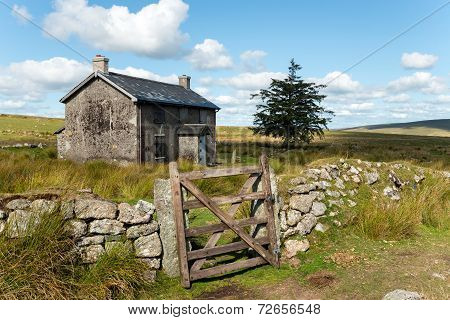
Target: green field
{"type": "Point", "coordinates": [379, 263]}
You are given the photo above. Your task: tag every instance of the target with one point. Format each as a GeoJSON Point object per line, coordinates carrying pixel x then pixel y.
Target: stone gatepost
{"type": "Point", "coordinates": [166, 219]}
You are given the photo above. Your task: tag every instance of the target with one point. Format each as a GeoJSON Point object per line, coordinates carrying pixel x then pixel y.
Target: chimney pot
{"type": "Point", "coordinates": [185, 81]}
{"type": "Point", "coordinates": [100, 63]}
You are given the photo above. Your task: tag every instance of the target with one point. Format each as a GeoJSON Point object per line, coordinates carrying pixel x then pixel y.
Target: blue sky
{"type": "Point", "coordinates": [233, 48]}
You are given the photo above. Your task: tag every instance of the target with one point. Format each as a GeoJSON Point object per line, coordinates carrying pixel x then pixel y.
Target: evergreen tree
{"type": "Point", "coordinates": [291, 110]}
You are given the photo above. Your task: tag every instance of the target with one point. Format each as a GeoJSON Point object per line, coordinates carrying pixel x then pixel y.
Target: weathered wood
{"type": "Point", "coordinates": [219, 270]}
{"type": "Point", "coordinates": [194, 204]}
{"type": "Point", "coordinates": [217, 227]}
{"type": "Point", "coordinates": [268, 256]}
{"type": "Point", "coordinates": [218, 250]}
{"type": "Point", "coordinates": [212, 241]}
{"type": "Point", "coordinates": [215, 173]}
{"type": "Point", "coordinates": [179, 222]}
{"type": "Point", "coordinates": [268, 208]}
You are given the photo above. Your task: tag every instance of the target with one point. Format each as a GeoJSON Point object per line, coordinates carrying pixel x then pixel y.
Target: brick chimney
{"type": "Point", "coordinates": [184, 81]}
{"type": "Point", "coordinates": [100, 63]}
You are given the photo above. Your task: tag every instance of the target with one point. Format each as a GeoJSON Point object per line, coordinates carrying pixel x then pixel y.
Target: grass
{"type": "Point", "coordinates": [43, 265]}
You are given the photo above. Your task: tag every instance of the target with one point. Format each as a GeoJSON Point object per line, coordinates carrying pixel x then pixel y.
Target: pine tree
{"type": "Point", "coordinates": [291, 110]}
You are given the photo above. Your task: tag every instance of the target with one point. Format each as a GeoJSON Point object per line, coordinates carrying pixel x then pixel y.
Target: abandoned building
{"type": "Point", "coordinates": [122, 118]}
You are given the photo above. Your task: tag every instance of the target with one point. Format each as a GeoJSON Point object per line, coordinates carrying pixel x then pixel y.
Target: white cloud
{"type": "Point", "coordinates": [338, 82]}
{"type": "Point", "coordinates": [225, 100]}
{"type": "Point", "coordinates": [11, 104]}
{"type": "Point", "coordinates": [441, 99]}
{"type": "Point", "coordinates": [423, 81]}
{"type": "Point", "coordinates": [416, 60]}
{"type": "Point", "coordinates": [361, 106]}
{"type": "Point", "coordinates": [398, 115]}
{"type": "Point", "coordinates": [399, 98]}
{"type": "Point", "coordinates": [32, 80]}
{"type": "Point", "coordinates": [209, 55]}
{"type": "Point", "coordinates": [152, 31]}
{"type": "Point", "coordinates": [21, 13]}
{"type": "Point", "coordinates": [142, 73]}
{"type": "Point", "coordinates": [252, 60]}
{"type": "Point", "coordinates": [248, 80]}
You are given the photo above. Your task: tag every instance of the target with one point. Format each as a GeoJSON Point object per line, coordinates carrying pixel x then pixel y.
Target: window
{"type": "Point", "coordinates": [160, 147]}
{"type": "Point", "coordinates": [184, 115]}
{"type": "Point", "coordinates": [159, 116]}
{"type": "Point", "coordinates": [202, 117]}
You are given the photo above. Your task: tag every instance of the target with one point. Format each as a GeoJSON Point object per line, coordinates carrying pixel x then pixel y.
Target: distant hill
{"type": "Point", "coordinates": [440, 128]}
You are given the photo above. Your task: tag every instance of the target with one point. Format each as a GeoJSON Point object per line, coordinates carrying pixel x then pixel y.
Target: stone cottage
{"type": "Point", "coordinates": [122, 118]}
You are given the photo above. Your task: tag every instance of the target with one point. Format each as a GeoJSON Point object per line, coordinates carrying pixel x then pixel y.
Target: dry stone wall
{"type": "Point", "coordinates": [95, 224]}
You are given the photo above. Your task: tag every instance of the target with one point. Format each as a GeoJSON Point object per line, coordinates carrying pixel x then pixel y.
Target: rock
{"type": "Point", "coordinates": [318, 194]}
{"type": "Point", "coordinates": [318, 208]}
{"type": "Point", "coordinates": [322, 185]}
{"type": "Point", "coordinates": [337, 223]}
{"type": "Point", "coordinates": [446, 174]}
{"type": "Point", "coordinates": [337, 203]}
{"type": "Point", "coordinates": [419, 178]}
{"type": "Point", "coordinates": [321, 227]}
{"type": "Point", "coordinates": [339, 183]}
{"type": "Point", "coordinates": [313, 174]}
{"type": "Point", "coordinates": [3, 214]}
{"type": "Point", "coordinates": [391, 193]}
{"type": "Point", "coordinates": [148, 246]}
{"type": "Point", "coordinates": [106, 226]}
{"type": "Point", "coordinates": [86, 190]}
{"type": "Point", "coordinates": [145, 206]}
{"type": "Point", "coordinates": [153, 263]}
{"type": "Point", "coordinates": [352, 192]}
{"type": "Point", "coordinates": [325, 175]}
{"type": "Point", "coordinates": [434, 275]}
{"type": "Point", "coordinates": [298, 180]}
{"type": "Point", "coordinates": [345, 177]}
{"type": "Point", "coordinates": [359, 161]}
{"type": "Point", "coordinates": [351, 203]}
{"type": "Point", "coordinates": [18, 204]}
{"type": "Point", "coordinates": [150, 275]}
{"type": "Point", "coordinates": [352, 171]}
{"type": "Point", "coordinates": [90, 254]}
{"type": "Point", "coordinates": [302, 202]}
{"type": "Point", "coordinates": [87, 241]}
{"type": "Point", "coordinates": [110, 245]}
{"type": "Point", "coordinates": [371, 177]}
{"type": "Point", "coordinates": [396, 180]}
{"type": "Point", "coordinates": [334, 194]}
{"type": "Point", "coordinates": [292, 247]}
{"type": "Point", "coordinates": [289, 232]}
{"type": "Point", "coordinates": [378, 164]}
{"type": "Point", "coordinates": [42, 206]}
{"type": "Point", "coordinates": [399, 294]}
{"type": "Point", "coordinates": [76, 228]}
{"type": "Point", "coordinates": [333, 170]}
{"type": "Point", "coordinates": [96, 209]}
{"type": "Point", "coordinates": [293, 217]}
{"type": "Point", "coordinates": [307, 224]}
{"type": "Point", "coordinates": [20, 222]}
{"type": "Point", "coordinates": [342, 160]}
{"type": "Point", "coordinates": [283, 221]}
{"type": "Point", "coordinates": [333, 213]}
{"type": "Point", "coordinates": [342, 193]}
{"type": "Point", "coordinates": [130, 215]}
{"type": "Point", "coordinates": [356, 179]}
{"type": "Point", "coordinates": [166, 220]}
{"type": "Point", "coordinates": [67, 209]}
{"type": "Point", "coordinates": [134, 232]}
{"type": "Point", "coordinates": [2, 226]}
{"type": "Point", "coordinates": [303, 188]}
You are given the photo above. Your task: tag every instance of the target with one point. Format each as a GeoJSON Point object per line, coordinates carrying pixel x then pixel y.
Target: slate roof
{"type": "Point", "coordinates": [144, 90]}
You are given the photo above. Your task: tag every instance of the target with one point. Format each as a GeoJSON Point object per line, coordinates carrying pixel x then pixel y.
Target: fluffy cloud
{"type": "Point", "coordinates": [416, 60]}
{"type": "Point", "coordinates": [21, 13]}
{"type": "Point", "coordinates": [422, 81]}
{"type": "Point", "coordinates": [142, 73]}
{"type": "Point", "coordinates": [31, 80]}
{"type": "Point", "coordinates": [11, 104]}
{"type": "Point", "coordinates": [361, 106]}
{"type": "Point", "coordinates": [252, 60]}
{"type": "Point", "coordinates": [209, 55]}
{"type": "Point", "coordinates": [246, 80]}
{"type": "Point", "coordinates": [399, 98]}
{"type": "Point", "coordinates": [338, 82]}
{"type": "Point", "coordinates": [152, 31]}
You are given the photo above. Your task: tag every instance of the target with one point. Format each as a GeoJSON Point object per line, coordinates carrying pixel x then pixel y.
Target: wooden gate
{"type": "Point", "coordinates": [191, 262]}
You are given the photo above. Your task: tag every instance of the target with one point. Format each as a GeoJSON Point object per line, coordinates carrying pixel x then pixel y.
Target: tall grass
{"type": "Point", "coordinates": [44, 265]}
{"type": "Point", "coordinates": [381, 218]}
